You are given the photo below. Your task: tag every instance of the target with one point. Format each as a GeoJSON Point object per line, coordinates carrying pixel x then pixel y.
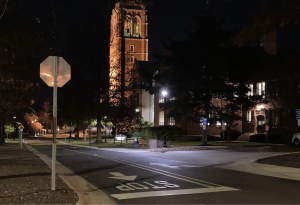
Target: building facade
{"type": "Point", "coordinates": [129, 37]}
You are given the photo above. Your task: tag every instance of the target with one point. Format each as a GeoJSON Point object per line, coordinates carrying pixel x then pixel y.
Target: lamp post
{"type": "Point", "coordinates": [34, 127]}
{"type": "Point", "coordinates": [165, 93]}
{"type": "Point", "coordinates": [267, 130]}
{"type": "Point", "coordinates": [105, 127]}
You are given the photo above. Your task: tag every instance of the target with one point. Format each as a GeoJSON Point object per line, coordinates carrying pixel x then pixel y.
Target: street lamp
{"type": "Point", "coordinates": [164, 94]}
{"type": "Point", "coordinates": [34, 127]}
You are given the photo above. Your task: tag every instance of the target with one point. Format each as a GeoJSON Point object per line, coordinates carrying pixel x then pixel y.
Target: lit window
{"type": "Point", "coordinates": [249, 117]}
{"type": "Point", "coordinates": [172, 121]}
{"type": "Point", "coordinates": [127, 26]}
{"type": "Point", "coordinates": [172, 98]}
{"type": "Point", "coordinates": [161, 118]}
{"type": "Point", "coordinates": [136, 28]}
{"type": "Point", "coordinates": [250, 92]}
{"type": "Point", "coordinates": [161, 98]}
{"type": "Point", "coordinates": [261, 89]}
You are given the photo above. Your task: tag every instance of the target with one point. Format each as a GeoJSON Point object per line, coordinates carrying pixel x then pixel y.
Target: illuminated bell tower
{"type": "Point", "coordinates": [129, 33]}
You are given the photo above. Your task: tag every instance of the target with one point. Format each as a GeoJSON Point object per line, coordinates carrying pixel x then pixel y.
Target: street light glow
{"type": "Point", "coordinates": [164, 93]}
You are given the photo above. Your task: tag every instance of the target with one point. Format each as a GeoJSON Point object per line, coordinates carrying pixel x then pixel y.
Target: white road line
{"type": "Point", "coordinates": [171, 192]}
{"type": "Point", "coordinates": [151, 169]}
{"type": "Point", "coordinates": [190, 166]}
{"type": "Point", "coordinates": [164, 165]}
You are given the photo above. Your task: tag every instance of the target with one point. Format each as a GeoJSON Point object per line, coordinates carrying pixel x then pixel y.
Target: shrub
{"type": "Point", "coordinates": [260, 128]}
{"type": "Point", "coordinates": [275, 139]}
{"type": "Point", "coordinates": [199, 138]}
{"type": "Point", "coordinates": [173, 132]}
{"type": "Point", "coordinates": [234, 134]}
{"type": "Point", "coordinates": [132, 135]}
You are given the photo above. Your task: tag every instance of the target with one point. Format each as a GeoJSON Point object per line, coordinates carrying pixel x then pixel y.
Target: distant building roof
{"type": "Point", "coordinates": [146, 71]}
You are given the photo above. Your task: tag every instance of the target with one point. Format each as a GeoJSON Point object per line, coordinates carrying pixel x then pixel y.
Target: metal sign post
{"type": "Point", "coordinates": [52, 69]}
{"type": "Point", "coordinates": [204, 130]}
{"type": "Point", "coordinates": [223, 129]}
{"type": "Point", "coordinates": [267, 130]}
{"type": "Point", "coordinates": [21, 137]}
{"type": "Point", "coordinates": [54, 124]}
{"type": "Point", "coordinates": [21, 127]}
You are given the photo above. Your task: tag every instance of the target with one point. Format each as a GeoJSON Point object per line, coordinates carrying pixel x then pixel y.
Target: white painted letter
{"type": "Point", "coordinates": [123, 187]}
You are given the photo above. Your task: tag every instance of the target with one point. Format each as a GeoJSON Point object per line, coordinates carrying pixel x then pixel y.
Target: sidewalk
{"type": "Point", "coordinates": [26, 179]}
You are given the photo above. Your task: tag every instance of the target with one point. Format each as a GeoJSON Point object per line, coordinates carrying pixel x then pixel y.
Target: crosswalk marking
{"type": "Point", "coordinates": [171, 192]}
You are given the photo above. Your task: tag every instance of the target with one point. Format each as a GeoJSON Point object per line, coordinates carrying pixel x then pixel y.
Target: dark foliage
{"type": "Point", "coordinates": [234, 134]}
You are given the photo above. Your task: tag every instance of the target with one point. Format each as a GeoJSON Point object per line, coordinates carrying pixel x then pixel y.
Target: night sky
{"type": "Point", "coordinates": [168, 18]}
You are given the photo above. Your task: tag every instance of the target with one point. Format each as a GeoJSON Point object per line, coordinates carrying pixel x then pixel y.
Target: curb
{"type": "Point", "coordinates": [279, 171]}
{"type": "Point", "coordinates": [87, 193]}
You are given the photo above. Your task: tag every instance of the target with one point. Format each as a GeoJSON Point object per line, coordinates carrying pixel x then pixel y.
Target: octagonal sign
{"type": "Point", "coordinates": [47, 71]}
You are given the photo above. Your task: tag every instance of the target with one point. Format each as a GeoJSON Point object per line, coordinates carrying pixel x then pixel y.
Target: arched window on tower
{"type": "Point", "coordinates": [136, 27]}
{"type": "Point", "coordinates": [127, 26]}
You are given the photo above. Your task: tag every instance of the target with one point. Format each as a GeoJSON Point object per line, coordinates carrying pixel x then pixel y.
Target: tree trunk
{"type": "Point", "coordinates": [84, 136]}
{"type": "Point", "coordinates": [228, 132]}
{"type": "Point", "coordinates": [204, 132]}
{"type": "Point", "coordinates": [2, 138]}
{"type": "Point", "coordinates": [99, 133]}
{"type": "Point", "coordinates": [77, 133]}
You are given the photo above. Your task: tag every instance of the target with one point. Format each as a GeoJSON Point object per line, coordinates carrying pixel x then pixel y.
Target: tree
{"type": "Point", "coordinates": [20, 52]}
{"type": "Point", "coordinates": [196, 68]}
{"type": "Point", "coordinates": [33, 123]}
{"type": "Point", "coordinates": [9, 128]}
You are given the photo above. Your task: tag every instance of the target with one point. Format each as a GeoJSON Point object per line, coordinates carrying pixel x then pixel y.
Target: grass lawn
{"type": "Point", "coordinates": [218, 143]}
{"type": "Point", "coordinates": [11, 141]}
{"type": "Point", "coordinates": [110, 143]}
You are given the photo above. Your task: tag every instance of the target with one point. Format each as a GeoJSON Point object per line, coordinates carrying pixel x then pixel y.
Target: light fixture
{"type": "Point", "coordinates": [164, 93]}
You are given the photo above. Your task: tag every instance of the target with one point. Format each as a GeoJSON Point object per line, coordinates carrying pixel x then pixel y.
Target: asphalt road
{"type": "Point", "coordinates": [132, 179]}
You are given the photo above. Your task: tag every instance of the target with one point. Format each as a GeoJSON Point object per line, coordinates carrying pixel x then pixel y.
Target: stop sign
{"type": "Point", "coordinates": [47, 71]}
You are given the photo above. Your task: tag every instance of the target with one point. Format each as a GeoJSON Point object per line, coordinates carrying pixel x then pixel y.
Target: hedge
{"type": "Point", "coordinates": [275, 139]}
{"type": "Point", "coordinates": [173, 133]}
{"type": "Point", "coordinates": [199, 138]}
{"type": "Point", "coordinates": [234, 134]}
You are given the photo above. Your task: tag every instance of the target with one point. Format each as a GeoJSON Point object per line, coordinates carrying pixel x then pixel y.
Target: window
{"type": "Point", "coordinates": [127, 26]}
{"type": "Point", "coordinates": [261, 88]}
{"type": "Point", "coordinates": [273, 89]}
{"type": "Point", "coordinates": [136, 28]}
{"type": "Point", "coordinates": [132, 59]}
{"type": "Point", "coordinates": [172, 98]}
{"type": "Point", "coordinates": [132, 48]}
{"type": "Point", "coordinates": [260, 120]}
{"type": "Point", "coordinates": [250, 92]}
{"type": "Point", "coordinates": [161, 118]}
{"type": "Point", "coordinates": [192, 95]}
{"type": "Point", "coordinates": [249, 116]}
{"type": "Point", "coordinates": [172, 121]}
{"type": "Point", "coordinates": [161, 98]}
